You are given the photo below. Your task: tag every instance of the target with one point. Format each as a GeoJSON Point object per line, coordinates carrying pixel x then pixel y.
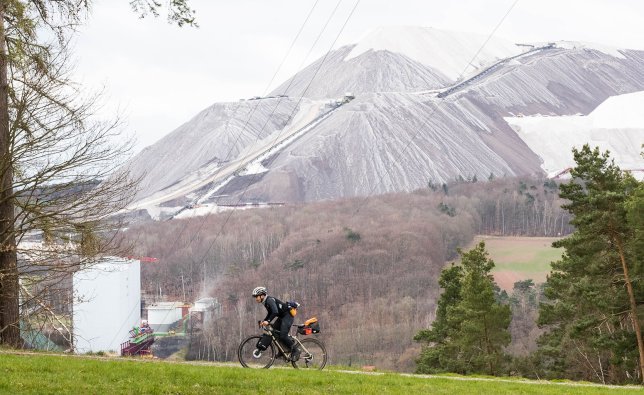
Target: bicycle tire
{"type": "Point", "coordinates": [313, 355]}
{"type": "Point", "coordinates": [247, 354]}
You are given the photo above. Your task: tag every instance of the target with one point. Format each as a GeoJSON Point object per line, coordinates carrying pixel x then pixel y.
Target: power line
{"type": "Point", "coordinates": [291, 81]}
{"type": "Point", "coordinates": [442, 100]}
{"type": "Point", "coordinates": [202, 260]}
{"type": "Point", "coordinates": [272, 145]}
{"type": "Point", "coordinates": [273, 111]}
{"type": "Point", "coordinates": [308, 86]}
{"type": "Point", "coordinates": [290, 47]}
{"type": "Point", "coordinates": [279, 67]}
{"type": "Point", "coordinates": [288, 52]}
{"type": "Point", "coordinates": [300, 100]}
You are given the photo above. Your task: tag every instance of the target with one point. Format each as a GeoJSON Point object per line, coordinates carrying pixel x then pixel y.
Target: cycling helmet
{"type": "Point", "coordinates": [259, 291]}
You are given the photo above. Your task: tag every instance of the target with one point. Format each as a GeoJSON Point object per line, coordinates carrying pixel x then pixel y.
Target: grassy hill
{"type": "Point", "coordinates": [48, 374]}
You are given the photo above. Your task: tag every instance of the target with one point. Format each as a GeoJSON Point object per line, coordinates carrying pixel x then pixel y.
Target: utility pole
{"type": "Point", "coordinates": [183, 287]}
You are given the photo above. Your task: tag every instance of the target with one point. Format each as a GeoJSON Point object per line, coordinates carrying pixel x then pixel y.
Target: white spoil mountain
{"type": "Point", "coordinates": [422, 108]}
{"type": "Point", "coordinates": [398, 59]}
{"type": "Point", "coordinates": [617, 125]}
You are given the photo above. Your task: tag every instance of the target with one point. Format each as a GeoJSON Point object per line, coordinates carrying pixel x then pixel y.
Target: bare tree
{"type": "Point", "coordinates": [56, 158]}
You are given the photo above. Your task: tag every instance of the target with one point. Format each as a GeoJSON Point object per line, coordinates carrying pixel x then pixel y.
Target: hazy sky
{"type": "Point", "coordinates": [158, 76]}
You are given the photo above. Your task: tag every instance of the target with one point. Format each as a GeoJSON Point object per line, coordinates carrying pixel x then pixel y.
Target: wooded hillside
{"type": "Point", "coordinates": [368, 268]}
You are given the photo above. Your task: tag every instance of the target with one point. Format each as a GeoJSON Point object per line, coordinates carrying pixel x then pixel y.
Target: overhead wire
{"type": "Point", "coordinates": [279, 100]}
{"type": "Point", "coordinates": [442, 100]}
{"type": "Point", "coordinates": [436, 107]}
{"type": "Point", "coordinates": [273, 111]}
{"type": "Point", "coordinates": [202, 260]}
{"type": "Point", "coordinates": [300, 100]}
{"type": "Point", "coordinates": [241, 131]}
{"type": "Point", "coordinates": [279, 67]}
{"type": "Point", "coordinates": [243, 128]}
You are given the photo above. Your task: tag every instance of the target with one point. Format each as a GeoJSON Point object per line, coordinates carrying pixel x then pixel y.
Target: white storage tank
{"type": "Point", "coordinates": [163, 316]}
{"type": "Point", "coordinates": [204, 309]}
{"type": "Point", "coordinates": [107, 304]}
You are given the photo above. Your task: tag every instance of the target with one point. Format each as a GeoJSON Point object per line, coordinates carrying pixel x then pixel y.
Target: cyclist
{"type": "Point", "coordinates": [277, 309]}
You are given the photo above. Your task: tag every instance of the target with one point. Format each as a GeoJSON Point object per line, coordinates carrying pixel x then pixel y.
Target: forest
{"type": "Point", "coordinates": [368, 268]}
{"type": "Point", "coordinates": [588, 318]}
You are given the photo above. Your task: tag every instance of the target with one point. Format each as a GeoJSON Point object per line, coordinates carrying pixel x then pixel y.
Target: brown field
{"type": "Point", "coordinates": [520, 258]}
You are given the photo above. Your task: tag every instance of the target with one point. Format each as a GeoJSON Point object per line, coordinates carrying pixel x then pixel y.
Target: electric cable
{"type": "Point", "coordinates": [406, 146]}
{"type": "Point", "coordinates": [271, 146]}
{"type": "Point", "coordinates": [438, 104]}
{"type": "Point", "coordinates": [202, 260]}
{"type": "Point", "coordinates": [299, 32]}
{"type": "Point", "coordinates": [241, 131]}
{"type": "Point", "coordinates": [303, 93]}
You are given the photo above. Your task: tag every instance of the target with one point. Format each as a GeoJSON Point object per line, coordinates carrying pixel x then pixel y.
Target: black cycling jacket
{"type": "Point", "coordinates": [274, 307]}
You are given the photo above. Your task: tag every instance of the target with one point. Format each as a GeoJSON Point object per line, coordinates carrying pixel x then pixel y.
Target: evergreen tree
{"type": "Point", "coordinates": [471, 326]}
{"type": "Point", "coordinates": [484, 322]}
{"type": "Point", "coordinates": [592, 317]}
{"type": "Point", "coordinates": [432, 357]}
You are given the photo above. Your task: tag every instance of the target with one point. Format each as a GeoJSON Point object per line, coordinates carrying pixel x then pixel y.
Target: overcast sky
{"type": "Point", "coordinates": [158, 76]}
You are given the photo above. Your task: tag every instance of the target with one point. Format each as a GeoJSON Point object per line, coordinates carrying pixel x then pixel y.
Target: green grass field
{"type": "Point", "coordinates": [47, 374]}
{"type": "Point", "coordinates": [520, 258]}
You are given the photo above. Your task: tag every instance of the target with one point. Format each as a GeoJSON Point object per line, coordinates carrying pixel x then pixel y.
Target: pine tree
{"type": "Point", "coordinates": [471, 326]}
{"type": "Point", "coordinates": [592, 317]}
{"type": "Point", "coordinates": [484, 322]}
{"type": "Point", "coordinates": [433, 355]}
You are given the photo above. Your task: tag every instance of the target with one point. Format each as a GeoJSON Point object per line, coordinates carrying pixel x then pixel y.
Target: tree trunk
{"type": "Point", "coordinates": [9, 313]}
{"type": "Point", "coordinates": [631, 298]}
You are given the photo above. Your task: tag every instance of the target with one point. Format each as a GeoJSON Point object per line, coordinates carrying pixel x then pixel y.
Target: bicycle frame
{"type": "Point", "coordinates": [271, 332]}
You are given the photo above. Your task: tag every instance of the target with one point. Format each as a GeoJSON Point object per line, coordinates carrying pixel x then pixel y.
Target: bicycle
{"type": "Point", "coordinates": [312, 351]}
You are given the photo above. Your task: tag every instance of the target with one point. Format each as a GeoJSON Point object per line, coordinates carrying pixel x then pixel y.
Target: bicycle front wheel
{"type": "Point", "coordinates": [251, 357]}
{"type": "Point", "coordinates": [313, 355]}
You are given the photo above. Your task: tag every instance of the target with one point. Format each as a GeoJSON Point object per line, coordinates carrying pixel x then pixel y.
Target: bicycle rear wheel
{"type": "Point", "coordinates": [250, 357]}
{"type": "Point", "coordinates": [313, 355]}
